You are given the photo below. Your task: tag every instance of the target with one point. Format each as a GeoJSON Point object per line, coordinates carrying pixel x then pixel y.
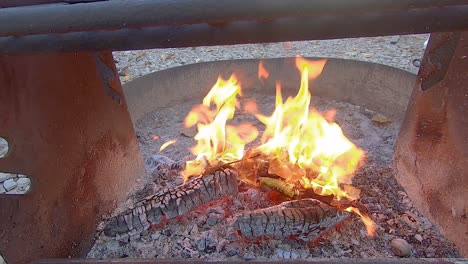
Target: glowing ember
{"type": "Point", "coordinates": [218, 142]}
{"type": "Point", "coordinates": [167, 144]}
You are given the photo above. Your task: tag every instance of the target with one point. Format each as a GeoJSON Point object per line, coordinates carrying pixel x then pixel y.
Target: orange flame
{"type": "Point", "coordinates": [218, 142]}
{"type": "Point", "coordinates": [303, 146]}
{"type": "Point", "coordinates": [167, 144]}
{"type": "Point", "coordinates": [370, 225]}
{"type": "Point", "coordinates": [262, 72]}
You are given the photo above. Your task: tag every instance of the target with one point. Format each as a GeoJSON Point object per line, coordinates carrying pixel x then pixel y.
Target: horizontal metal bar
{"type": "Point", "coordinates": [121, 14]}
{"type": "Point", "coordinates": [288, 29]}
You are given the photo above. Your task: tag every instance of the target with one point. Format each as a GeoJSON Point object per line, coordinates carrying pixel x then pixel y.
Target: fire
{"type": "Point", "coordinates": [370, 225]}
{"type": "Point", "coordinates": [262, 72]}
{"type": "Point", "coordinates": [303, 146]}
{"type": "Point", "coordinates": [217, 141]}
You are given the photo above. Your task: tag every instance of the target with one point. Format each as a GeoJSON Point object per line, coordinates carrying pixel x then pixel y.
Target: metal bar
{"type": "Point", "coordinates": [286, 29]}
{"type": "Point", "coordinates": [120, 14]}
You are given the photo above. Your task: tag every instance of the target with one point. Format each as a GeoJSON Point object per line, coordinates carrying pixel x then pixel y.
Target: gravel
{"type": "Point", "coordinates": [133, 64]}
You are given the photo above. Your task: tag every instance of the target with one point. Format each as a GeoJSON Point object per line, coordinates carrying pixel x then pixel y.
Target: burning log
{"type": "Point", "coordinates": [306, 219]}
{"type": "Point", "coordinates": [173, 202]}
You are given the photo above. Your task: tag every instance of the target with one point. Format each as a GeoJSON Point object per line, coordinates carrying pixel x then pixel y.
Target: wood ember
{"type": "Point", "coordinates": [306, 219]}
{"type": "Point", "coordinates": [173, 202]}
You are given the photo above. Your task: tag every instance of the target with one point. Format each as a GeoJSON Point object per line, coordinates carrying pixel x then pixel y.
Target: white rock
{"type": "Point", "coordinates": [2, 190]}
{"type": "Point", "coordinates": [9, 184]}
{"type": "Point", "coordinates": [6, 176]}
{"type": "Point", "coordinates": [23, 182]}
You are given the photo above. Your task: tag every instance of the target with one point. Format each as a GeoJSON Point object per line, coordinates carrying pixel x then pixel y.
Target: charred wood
{"type": "Point", "coordinates": [173, 202]}
{"type": "Point", "coordinates": [305, 219]}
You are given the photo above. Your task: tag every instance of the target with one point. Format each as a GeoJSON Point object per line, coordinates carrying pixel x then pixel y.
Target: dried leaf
{"type": "Point", "coordinates": [378, 118]}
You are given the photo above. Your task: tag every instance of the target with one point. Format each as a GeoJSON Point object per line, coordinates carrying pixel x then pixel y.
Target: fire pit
{"type": "Point", "coordinates": [260, 185]}
{"type": "Point", "coordinates": [248, 211]}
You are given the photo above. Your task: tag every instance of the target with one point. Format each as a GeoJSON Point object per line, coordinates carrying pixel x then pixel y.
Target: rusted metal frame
{"type": "Point", "coordinates": [121, 14]}
{"type": "Point", "coordinates": [287, 29]}
{"type": "Point", "coordinates": [437, 58]}
{"type": "Point", "coordinates": [432, 145]}
{"type": "Point", "coordinates": [68, 128]}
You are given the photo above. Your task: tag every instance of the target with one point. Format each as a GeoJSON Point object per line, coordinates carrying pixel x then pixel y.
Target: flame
{"type": "Point", "coordinates": [370, 225]}
{"type": "Point", "coordinates": [218, 142]}
{"type": "Point", "coordinates": [262, 72]}
{"type": "Point", "coordinates": [167, 144]}
{"type": "Point", "coordinates": [303, 146]}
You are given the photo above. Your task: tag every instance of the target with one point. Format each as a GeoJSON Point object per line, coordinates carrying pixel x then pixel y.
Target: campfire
{"type": "Point", "coordinates": [300, 154]}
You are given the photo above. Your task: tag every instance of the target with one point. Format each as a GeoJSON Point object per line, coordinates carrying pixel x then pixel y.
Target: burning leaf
{"type": "Point", "coordinates": [262, 72]}
{"type": "Point", "coordinates": [167, 144]}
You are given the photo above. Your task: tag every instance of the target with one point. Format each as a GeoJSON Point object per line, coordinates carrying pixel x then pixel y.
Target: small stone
{"type": "Point", "coordinates": [23, 184]}
{"type": "Point", "coordinates": [9, 184]}
{"type": "Point", "coordinates": [2, 190]}
{"type": "Point", "coordinates": [400, 247]}
{"type": "Point", "coordinates": [6, 176]}
{"type": "Point", "coordinates": [418, 237]}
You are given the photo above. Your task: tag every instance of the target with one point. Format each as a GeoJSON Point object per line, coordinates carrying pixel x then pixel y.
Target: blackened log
{"type": "Point", "coordinates": [173, 202]}
{"type": "Point", "coordinates": [305, 219]}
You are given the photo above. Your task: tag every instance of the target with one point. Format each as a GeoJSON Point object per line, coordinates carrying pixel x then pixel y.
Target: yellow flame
{"type": "Point", "coordinates": [218, 142]}
{"type": "Point", "coordinates": [167, 144]}
{"type": "Point", "coordinates": [370, 225]}
{"type": "Point", "coordinates": [302, 145]}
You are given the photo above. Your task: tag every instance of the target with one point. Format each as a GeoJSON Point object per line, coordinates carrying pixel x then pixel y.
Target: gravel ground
{"type": "Point", "coordinates": [384, 50]}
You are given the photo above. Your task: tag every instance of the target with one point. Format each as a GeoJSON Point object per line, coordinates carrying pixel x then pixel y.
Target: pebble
{"type": "Point", "coordinates": [23, 184]}
{"type": "Point", "coordinates": [400, 247]}
{"type": "Point", "coordinates": [2, 190]}
{"type": "Point", "coordinates": [6, 176]}
{"type": "Point", "coordinates": [9, 185]}
{"type": "Point", "coordinates": [418, 237]}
